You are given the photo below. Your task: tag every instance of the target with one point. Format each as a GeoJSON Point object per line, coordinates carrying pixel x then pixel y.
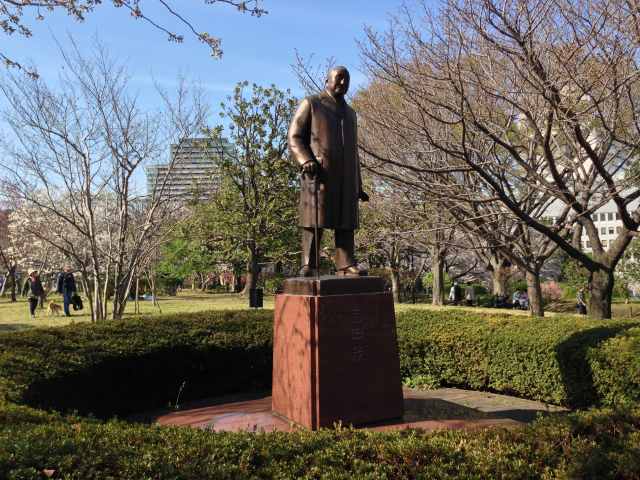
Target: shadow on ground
{"type": "Point", "coordinates": [422, 409]}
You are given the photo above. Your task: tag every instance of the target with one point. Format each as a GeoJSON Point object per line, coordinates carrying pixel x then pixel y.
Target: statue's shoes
{"type": "Point", "coordinates": [351, 271]}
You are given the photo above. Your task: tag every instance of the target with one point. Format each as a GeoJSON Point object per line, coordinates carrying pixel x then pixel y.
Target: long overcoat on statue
{"type": "Point", "coordinates": [325, 130]}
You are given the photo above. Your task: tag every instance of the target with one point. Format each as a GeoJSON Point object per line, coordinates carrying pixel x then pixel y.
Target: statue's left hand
{"type": "Point", "coordinates": [363, 196]}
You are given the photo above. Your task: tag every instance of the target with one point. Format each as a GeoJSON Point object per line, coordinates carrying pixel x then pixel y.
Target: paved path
{"type": "Point", "coordinates": [444, 408]}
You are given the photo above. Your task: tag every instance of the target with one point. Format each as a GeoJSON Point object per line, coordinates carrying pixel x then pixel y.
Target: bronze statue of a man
{"type": "Point", "coordinates": [323, 139]}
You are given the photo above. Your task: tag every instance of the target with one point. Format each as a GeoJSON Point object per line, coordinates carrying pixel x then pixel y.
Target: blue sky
{"type": "Point", "coordinates": [260, 50]}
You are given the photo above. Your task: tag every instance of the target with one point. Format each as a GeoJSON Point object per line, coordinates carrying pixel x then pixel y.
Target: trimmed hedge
{"type": "Point", "coordinates": [562, 360]}
{"type": "Point", "coordinates": [118, 368]}
{"type": "Point", "coordinates": [616, 368]}
{"type": "Point", "coordinates": [593, 445]}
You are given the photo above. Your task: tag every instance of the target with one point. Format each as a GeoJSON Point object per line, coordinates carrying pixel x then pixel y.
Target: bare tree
{"type": "Point", "coordinates": [393, 148]}
{"type": "Point", "coordinates": [391, 231]}
{"type": "Point", "coordinates": [536, 94]}
{"type": "Point", "coordinates": [9, 265]}
{"type": "Point", "coordinates": [310, 74]}
{"type": "Point", "coordinates": [77, 154]}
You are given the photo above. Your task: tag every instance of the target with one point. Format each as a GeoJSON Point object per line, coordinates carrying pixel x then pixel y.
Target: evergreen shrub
{"type": "Point", "coordinates": [562, 360]}
{"type": "Point", "coordinates": [117, 368]}
{"type": "Point", "coordinates": [601, 444]}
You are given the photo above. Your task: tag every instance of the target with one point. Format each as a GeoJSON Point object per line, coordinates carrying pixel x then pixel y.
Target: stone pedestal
{"type": "Point", "coordinates": [335, 352]}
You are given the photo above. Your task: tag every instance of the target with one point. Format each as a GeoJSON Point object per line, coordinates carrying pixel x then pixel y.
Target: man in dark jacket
{"type": "Point", "coordinates": [33, 287]}
{"type": "Point", "coordinates": [323, 141]}
{"type": "Point", "coordinates": [66, 287]}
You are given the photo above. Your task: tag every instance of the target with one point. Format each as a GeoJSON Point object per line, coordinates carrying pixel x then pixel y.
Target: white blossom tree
{"type": "Point", "coordinates": [78, 150]}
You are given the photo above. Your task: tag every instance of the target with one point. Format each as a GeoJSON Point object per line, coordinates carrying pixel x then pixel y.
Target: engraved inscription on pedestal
{"type": "Point", "coordinates": [358, 336]}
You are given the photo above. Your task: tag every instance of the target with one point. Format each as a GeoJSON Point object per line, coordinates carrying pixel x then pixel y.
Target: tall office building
{"type": "Point", "coordinates": [190, 171]}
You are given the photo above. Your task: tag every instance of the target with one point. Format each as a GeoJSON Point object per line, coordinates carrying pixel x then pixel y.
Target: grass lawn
{"type": "Point", "coordinates": [15, 316]}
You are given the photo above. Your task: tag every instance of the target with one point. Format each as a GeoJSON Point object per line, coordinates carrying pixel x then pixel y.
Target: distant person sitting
{"type": "Point", "coordinates": [515, 299]}
{"type": "Point", "coordinates": [67, 287]}
{"type": "Point", "coordinates": [33, 287]}
{"type": "Point", "coordinates": [524, 301]}
{"type": "Point", "coordinates": [501, 301]}
{"type": "Point", "coordinates": [470, 295]}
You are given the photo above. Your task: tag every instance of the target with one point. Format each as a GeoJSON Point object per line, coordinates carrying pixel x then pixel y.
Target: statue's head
{"type": "Point", "coordinates": [337, 82]}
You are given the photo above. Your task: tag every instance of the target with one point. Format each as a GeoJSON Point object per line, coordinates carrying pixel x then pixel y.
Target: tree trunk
{"type": "Point", "coordinates": [534, 293]}
{"type": "Point", "coordinates": [499, 279]}
{"type": "Point", "coordinates": [4, 284]}
{"type": "Point", "coordinates": [252, 273]}
{"type": "Point", "coordinates": [437, 270]}
{"type": "Point", "coordinates": [600, 294]}
{"type": "Point", "coordinates": [89, 294]}
{"type": "Point", "coordinates": [152, 285]}
{"type": "Point", "coordinates": [119, 301]}
{"type": "Point", "coordinates": [12, 274]}
{"type": "Point", "coordinates": [100, 307]}
{"type": "Point", "coordinates": [137, 302]}
{"type": "Point", "coordinates": [395, 284]}
{"type": "Point", "coordinates": [121, 295]}
{"type": "Point", "coordinates": [499, 268]}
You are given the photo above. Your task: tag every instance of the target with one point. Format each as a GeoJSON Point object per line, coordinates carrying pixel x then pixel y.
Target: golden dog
{"type": "Point", "coordinates": [54, 309]}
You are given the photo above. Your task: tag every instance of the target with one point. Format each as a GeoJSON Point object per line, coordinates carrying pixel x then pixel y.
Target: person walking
{"type": "Point", "coordinates": [455, 294]}
{"type": "Point", "coordinates": [67, 287]}
{"type": "Point", "coordinates": [33, 287]}
{"type": "Point", "coordinates": [452, 293]}
{"type": "Point", "coordinates": [581, 304]}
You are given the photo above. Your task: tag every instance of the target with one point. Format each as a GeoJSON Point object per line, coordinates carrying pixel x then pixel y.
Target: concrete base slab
{"type": "Point", "coordinates": [446, 408]}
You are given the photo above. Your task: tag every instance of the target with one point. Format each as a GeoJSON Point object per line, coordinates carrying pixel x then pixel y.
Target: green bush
{"type": "Point", "coordinates": [273, 283]}
{"type": "Point", "coordinates": [517, 284]}
{"type": "Point", "coordinates": [116, 368]}
{"type": "Point", "coordinates": [122, 367]}
{"type": "Point", "coordinates": [568, 361]}
{"type": "Point", "coordinates": [616, 368]}
{"type": "Point", "coordinates": [594, 445]}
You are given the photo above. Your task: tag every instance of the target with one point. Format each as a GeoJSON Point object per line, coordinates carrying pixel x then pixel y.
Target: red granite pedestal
{"type": "Point", "coordinates": [335, 352]}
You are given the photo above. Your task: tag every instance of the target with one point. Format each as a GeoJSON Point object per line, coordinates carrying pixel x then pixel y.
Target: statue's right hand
{"type": "Point", "coordinates": [311, 168]}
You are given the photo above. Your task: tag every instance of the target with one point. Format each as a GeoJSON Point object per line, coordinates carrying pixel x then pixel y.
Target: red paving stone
{"type": "Point", "coordinates": [430, 410]}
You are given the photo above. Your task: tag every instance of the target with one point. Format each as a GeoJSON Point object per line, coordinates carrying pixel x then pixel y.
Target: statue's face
{"type": "Point", "coordinates": [337, 82]}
